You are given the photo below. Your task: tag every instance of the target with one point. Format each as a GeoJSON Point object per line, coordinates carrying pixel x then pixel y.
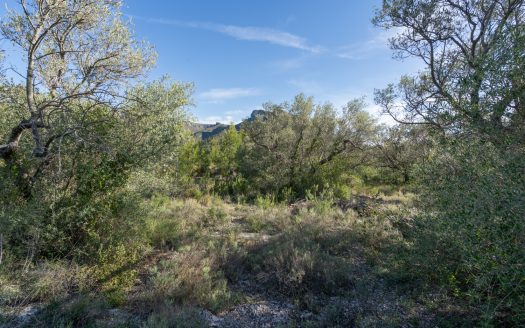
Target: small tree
{"type": "Point", "coordinates": [472, 90]}
{"type": "Point", "coordinates": [473, 55]}
{"type": "Point", "coordinates": [79, 56]}
{"type": "Point", "coordinates": [400, 147]}
{"type": "Point", "coordinates": [299, 145]}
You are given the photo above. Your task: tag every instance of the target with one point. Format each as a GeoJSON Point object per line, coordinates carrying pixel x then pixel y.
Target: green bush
{"type": "Point", "coordinates": [256, 221]}
{"type": "Point", "coordinates": [216, 214]}
{"type": "Point", "coordinates": [192, 279]}
{"type": "Point", "coordinates": [265, 201]}
{"type": "Point", "coordinates": [475, 194]}
{"type": "Point", "coordinates": [303, 258]}
{"type": "Point", "coordinates": [322, 201]}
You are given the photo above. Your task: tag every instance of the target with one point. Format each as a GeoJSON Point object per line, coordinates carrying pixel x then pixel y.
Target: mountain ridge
{"type": "Point", "coordinates": [205, 131]}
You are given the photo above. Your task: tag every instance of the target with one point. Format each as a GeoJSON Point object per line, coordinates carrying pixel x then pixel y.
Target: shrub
{"type": "Point", "coordinates": [216, 214]}
{"type": "Point", "coordinates": [10, 289]}
{"type": "Point", "coordinates": [115, 270]}
{"type": "Point", "coordinates": [303, 258]}
{"type": "Point", "coordinates": [172, 222]}
{"type": "Point", "coordinates": [256, 221]}
{"type": "Point", "coordinates": [265, 202]}
{"type": "Point", "coordinates": [79, 312]}
{"type": "Point", "coordinates": [193, 278]}
{"type": "Point", "coordinates": [322, 201]}
{"type": "Point", "coordinates": [55, 280]}
{"type": "Point", "coordinates": [476, 196]}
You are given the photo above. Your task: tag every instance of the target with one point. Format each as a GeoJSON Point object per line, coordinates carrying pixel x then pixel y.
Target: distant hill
{"type": "Point", "coordinates": [206, 131]}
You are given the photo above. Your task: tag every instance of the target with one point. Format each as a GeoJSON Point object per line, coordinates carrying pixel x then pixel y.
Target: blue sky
{"type": "Point", "coordinates": [241, 54]}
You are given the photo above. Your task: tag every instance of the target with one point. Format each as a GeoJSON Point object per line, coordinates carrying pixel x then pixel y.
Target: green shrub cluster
{"type": "Point", "coordinates": [477, 193]}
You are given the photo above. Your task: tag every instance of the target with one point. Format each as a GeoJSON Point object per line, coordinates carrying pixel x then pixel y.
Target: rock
{"type": "Point", "coordinates": [24, 316]}
{"type": "Point", "coordinates": [213, 320]}
{"type": "Point", "coordinates": [260, 314]}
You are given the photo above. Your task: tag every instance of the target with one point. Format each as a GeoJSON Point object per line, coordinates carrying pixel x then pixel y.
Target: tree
{"type": "Point", "coordinates": [296, 146]}
{"type": "Point", "coordinates": [86, 189]}
{"type": "Point", "coordinates": [222, 160]}
{"type": "Point", "coordinates": [400, 147]}
{"type": "Point", "coordinates": [473, 57]}
{"type": "Point", "coordinates": [472, 187]}
{"type": "Point", "coordinates": [153, 134]}
{"type": "Point", "coordinates": [79, 56]}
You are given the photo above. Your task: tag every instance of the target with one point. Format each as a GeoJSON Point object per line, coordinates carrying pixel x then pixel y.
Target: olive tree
{"type": "Point", "coordinates": [79, 57]}
{"type": "Point", "coordinates": [301, 144]}
{"type": "Point", "coordinates": [472, 52]}
{"type": "Point", "coordinates": [399, 148]}
{"type": "Point", "coordinates": [472, 90]}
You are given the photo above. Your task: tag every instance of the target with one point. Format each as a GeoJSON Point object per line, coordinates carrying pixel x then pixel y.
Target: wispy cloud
{"type": "Point", "coordinates": [269, 35]}
{"type": "Point", "coordinates": [227, 119]}
{"type": "Point", "coordinates": [222, 94]}
{"type": "Point", "coordinates": [290, 19]}
{"type": "Point", "coordinates": [361, 50]}
{"type": "Point", "coordinates": [238, 112]}
{"type": "Point", "coordinates": [247, 33]}
{"type": "Point", "coordinates": [289, 64]}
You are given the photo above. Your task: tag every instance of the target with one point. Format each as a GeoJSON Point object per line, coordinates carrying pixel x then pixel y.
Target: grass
{"type": "Point", "coordinates": [343, 268]}
{"type": "Point", "coordinates": [168, 316]}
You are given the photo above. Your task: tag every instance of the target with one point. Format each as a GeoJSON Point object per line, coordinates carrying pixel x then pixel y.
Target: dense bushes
{"type": "Point", "coordinates": [82, 204]}
{"type": "Point", "coordinates": [295, 263]}
{"type": "Point", "coordinates": [472, 187]}
{"type": "Point", "coordinates": [477, 194]}
{"type": "Point", "coordinates": [286, 150]}
{"type": "Point", "coordinates": [101, 209]}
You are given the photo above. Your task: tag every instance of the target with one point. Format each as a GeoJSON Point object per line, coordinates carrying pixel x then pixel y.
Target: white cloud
{"type": "Point", "coordinates": [377, 43]}
{"type": "Point", "coordinates": [248, 33]}
{"type": "Point", "coordinates": [231, 116]}
{"type": "Point", "coordinates": [237, 112]}
{"type": "Point", "coordinates": [294, 62]}
{"type": "Point", "coordinates": [268, 35]}
{"type": "Point", "coordinates": [223, 94]}
{"type": "Point", "coordinates": [227, 119]}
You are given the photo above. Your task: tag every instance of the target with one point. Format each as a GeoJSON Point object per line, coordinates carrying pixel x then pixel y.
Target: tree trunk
{"type": "Point", "coordinates": [406, 177]}
{"type": "Point", "coordinates": [7, 152]}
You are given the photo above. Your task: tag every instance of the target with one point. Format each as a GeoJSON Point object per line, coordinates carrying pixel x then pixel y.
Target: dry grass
{"type": "Point", "coordinates": [213, 255]}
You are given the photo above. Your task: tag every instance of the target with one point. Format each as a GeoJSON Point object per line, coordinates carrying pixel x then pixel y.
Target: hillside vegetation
{"type": "Point", "coordinates": [116, 212]}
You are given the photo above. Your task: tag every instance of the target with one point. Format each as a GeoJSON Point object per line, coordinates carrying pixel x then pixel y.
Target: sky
{"type": "Point", "coordinates": [240, 54]}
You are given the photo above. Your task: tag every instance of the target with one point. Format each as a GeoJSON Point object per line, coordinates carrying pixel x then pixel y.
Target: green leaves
{"type": "Point", "coordinates": [469, 50]}
{"type": "Point", "coordinates": [296, 146]}
{"type": "Point", "coordinates": [476, 192]}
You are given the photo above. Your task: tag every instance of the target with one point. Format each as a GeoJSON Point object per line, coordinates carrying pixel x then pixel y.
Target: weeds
{"type": "Point", "coordinates": [309, 254]}
{"type": "Point", "coordinates": [169, 316]}
{"type": "Point", "coordinates": [192, 278]}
